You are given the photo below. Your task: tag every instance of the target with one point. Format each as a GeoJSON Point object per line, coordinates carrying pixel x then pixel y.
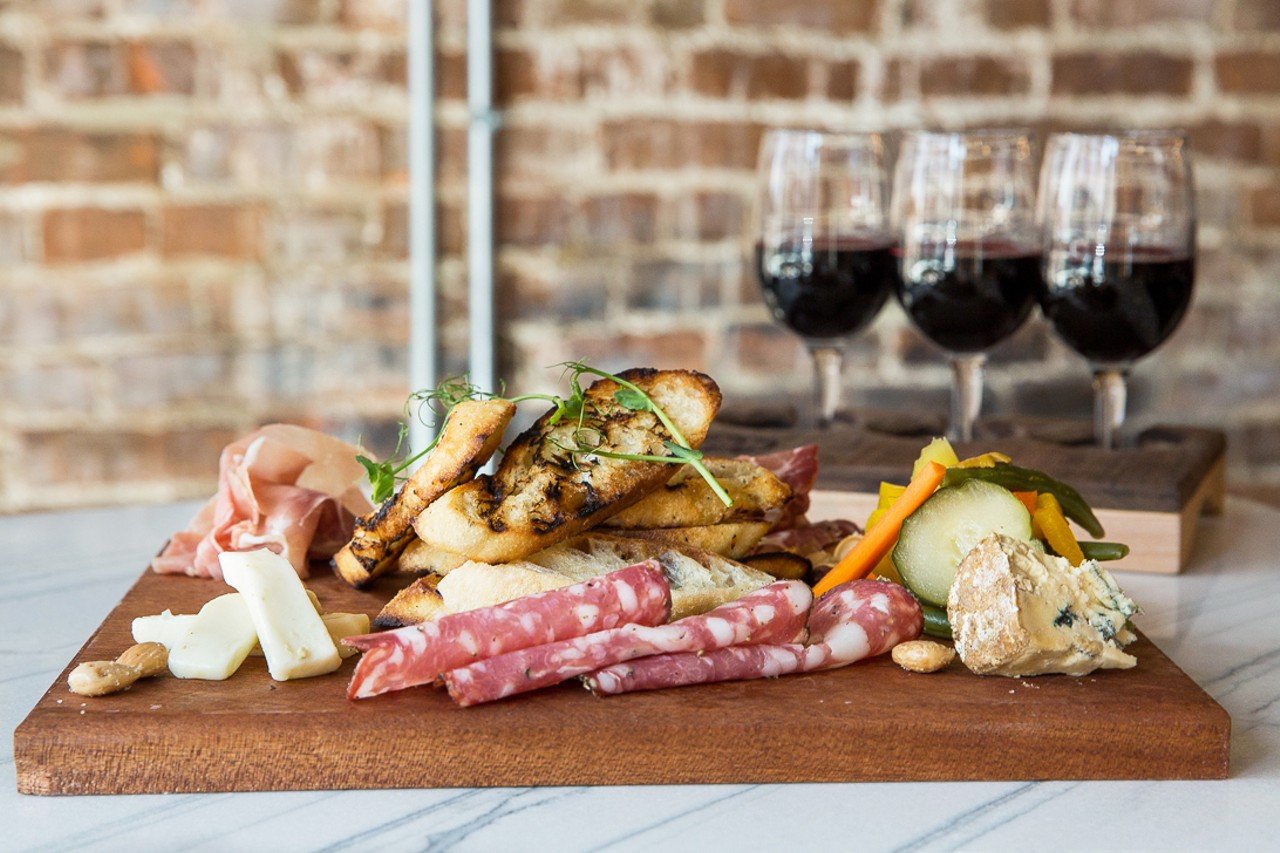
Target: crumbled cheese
{"type": "Point", "coordinates": [1016, 610]}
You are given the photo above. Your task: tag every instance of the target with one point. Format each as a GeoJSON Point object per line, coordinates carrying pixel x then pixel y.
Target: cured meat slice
{"type": "Point", "coordinates": [774, 614]}
{"type": "Point", "coordinates": [287, 488]}
{"type": "Point", "coordinates": [808, 539]}
{"type": "Point", "coordinates": [856, 620]}
{"type": "Point", "coordinates": [798, 468]}
{"type": "Point", "coordinates": [418, 654]}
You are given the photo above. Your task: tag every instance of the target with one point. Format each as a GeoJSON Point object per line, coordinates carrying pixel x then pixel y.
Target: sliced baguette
{"type": "Point", "coordinates": [734, 539]}
{"type": "Point", "coordinates": [687, 501]}
{"type": "Point", "coordinates": [420, 558]}
{"type": "Point", "coordinates": [474, 584]}
{"type": "Point", "coordinates": [418, 602]}
{"type": "Point", "coordinates": [700, 581]}
{"type": "Point", "coordinates": [538, 497]}
{"type": "Point", "coordinates": [471, 434]}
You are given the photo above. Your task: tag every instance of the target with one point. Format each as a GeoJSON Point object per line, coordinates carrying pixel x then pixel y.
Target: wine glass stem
{"type": "Point", "coordinates": [828, 370]}
{"type": "Point", "coordinates": [966, 394]}
{"type": "Point", "coordinates": [1109, 396]}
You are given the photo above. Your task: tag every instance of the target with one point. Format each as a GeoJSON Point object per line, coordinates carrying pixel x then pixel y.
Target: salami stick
{"type": "Point", "coordinates": [418, 654]}
{"type": "Point", "coordinates": [855, 620]}
{"type": "Point", "coordinates": [775, 614]}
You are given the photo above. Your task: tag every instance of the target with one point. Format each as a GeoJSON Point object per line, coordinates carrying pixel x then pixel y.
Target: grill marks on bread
{"type": "Point", "coordinates": [472, 433]}
{"type": "Point", "coordinates": [538, 496]}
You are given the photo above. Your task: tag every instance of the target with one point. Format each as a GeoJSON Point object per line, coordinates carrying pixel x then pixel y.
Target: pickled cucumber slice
{"type": "Point", "coordinates": [937, 536]}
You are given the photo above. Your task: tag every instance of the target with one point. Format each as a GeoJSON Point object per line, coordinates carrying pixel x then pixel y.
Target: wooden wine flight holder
{"type": "Point", "coordinates": [1149, 494]}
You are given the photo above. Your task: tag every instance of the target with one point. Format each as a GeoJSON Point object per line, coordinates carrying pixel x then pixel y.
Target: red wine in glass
{"type": "Point", "coordinates": [822, 250]}
{"type": "Point", "coordinates": [968, 297]}
{"type": "Point", "coordinates": [1118, 216]}
{"type": "Point", "coordinates": [963, 206]}
{"type": "Point", "coordinates": [1116, 310]}
{"type": "Point", "coordinates": [826, 288]}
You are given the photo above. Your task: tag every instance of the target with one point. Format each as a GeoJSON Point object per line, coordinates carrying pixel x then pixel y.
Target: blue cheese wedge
{"type": "Point", "coordinates": [215, 641]}
{"type": "Point", "coordinates": [1018, 611]}
{"type": "Point", "coordinates": [293, 636]}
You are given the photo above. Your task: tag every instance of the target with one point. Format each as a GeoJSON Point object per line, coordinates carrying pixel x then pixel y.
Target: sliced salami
{"type": "Point", "coordinates": [774, 614]}
{"type": "Point", "coordinates": [419, 654]}
{"type": "Point", "coordinates": [856, 620]}
{"type": "Point", "coordinates": [798, 468]}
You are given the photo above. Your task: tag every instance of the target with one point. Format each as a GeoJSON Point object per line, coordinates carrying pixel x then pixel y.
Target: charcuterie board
{"type": "Point", "coordinates": [868, 722]}
{"type": "Point", "coordinates": [1149, 494]}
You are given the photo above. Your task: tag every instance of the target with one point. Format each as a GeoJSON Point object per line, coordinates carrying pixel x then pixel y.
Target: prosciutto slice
{"type": "Point", "coordinates": [418, 654]}
{"type": "Point", "coordinates": [856, 620]}
{"type": "Point", "coordinates": [773, 614]}
{"type": "Point", "coordinates": [809, 539]}
{"type": "Point", "coordinates": [286, 488]}
{"type": "Point", "coordinates": [798, 468]}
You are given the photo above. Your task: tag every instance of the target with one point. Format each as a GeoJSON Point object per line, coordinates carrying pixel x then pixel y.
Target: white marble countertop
{"type": "Point", "coordinates": [1220, 622]}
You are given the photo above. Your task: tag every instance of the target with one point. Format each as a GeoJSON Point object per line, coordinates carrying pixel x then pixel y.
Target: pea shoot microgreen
{"type": "Point", "coordinates": [436, 403]}
{"type": "Point", "coordinates": [630, 396]}
{"type": "Point", "coordinates": [586, 438]}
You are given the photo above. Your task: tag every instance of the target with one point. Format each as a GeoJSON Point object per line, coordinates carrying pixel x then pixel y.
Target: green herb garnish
{"type": "Point", "coordinates": [383, 476]}
{"type": "Point", "coordinates": [631, 397]}
{"type": "Point", "coordinates": [439, 401]}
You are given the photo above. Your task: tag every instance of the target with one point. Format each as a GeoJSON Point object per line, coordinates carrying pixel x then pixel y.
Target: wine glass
{"type": "Point", "coordinates": [824, 254]}
{"type": "Point", "coordinates": [969, 271]}
{"type": "Point", "coordinates": [1119, 227]}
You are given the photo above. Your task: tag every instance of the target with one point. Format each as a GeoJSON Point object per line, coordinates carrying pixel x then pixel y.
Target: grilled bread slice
{"type": "Point", "coordinates": [539, 496]}
{"type": "Point", "coordinates": [418, 602]}
{"type": "Point", "coordinates": [699, 580]}
{"type": "Point", "coordinates": [687, 501]}
{"type": "Point", "coordinates": [420, 558]}
{"type": "Point", "coordinates": [733, 539]}
{"type": "Point", "coordinates": [471, 434]}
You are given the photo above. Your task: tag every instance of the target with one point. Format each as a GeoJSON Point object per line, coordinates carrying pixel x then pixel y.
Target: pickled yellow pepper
{"type": "Point", "coordinates": [1051, 523]}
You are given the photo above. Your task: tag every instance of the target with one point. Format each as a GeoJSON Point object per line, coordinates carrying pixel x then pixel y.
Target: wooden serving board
{"type": "Point", "coordinates": [868, 722]}
{"type": "Point", "coordinates": [1149, 495]}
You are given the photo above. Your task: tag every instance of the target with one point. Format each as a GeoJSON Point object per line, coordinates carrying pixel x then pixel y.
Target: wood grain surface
{"type": "Point", "coordinates": [871, 721]}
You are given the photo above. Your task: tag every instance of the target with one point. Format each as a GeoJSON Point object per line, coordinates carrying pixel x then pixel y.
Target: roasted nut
{"type": "Point", "coordinates": [923, 655]}
{"type": "Point", "coordinates": [148, 658]}
{"type": "Point", "coordinates": [100, 677]}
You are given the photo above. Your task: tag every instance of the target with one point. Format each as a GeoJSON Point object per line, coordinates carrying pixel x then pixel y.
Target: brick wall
{"type": "Point", "coordinates": [202, 205]}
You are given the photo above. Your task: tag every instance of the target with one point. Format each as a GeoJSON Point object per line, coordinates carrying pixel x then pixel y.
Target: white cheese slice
{"type": "Point", "coordinates": [339, 626]}
{"type": "Point", "coordinates": [1016, 610]}
{"type": "Point", "coordinates": [167, 627]}
{"type": "Point", "coordinates": [164, 628]}
{"type": "Point", "coordinates": [215, 642]}
{"type": "Point", "coordinates": [293, 636]}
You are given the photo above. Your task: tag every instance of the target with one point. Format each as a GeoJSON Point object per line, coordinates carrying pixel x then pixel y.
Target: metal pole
{"type": "Point", "coordinates": [483, 122]}
{"type": "Point", "coordinates": [423, 345]}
